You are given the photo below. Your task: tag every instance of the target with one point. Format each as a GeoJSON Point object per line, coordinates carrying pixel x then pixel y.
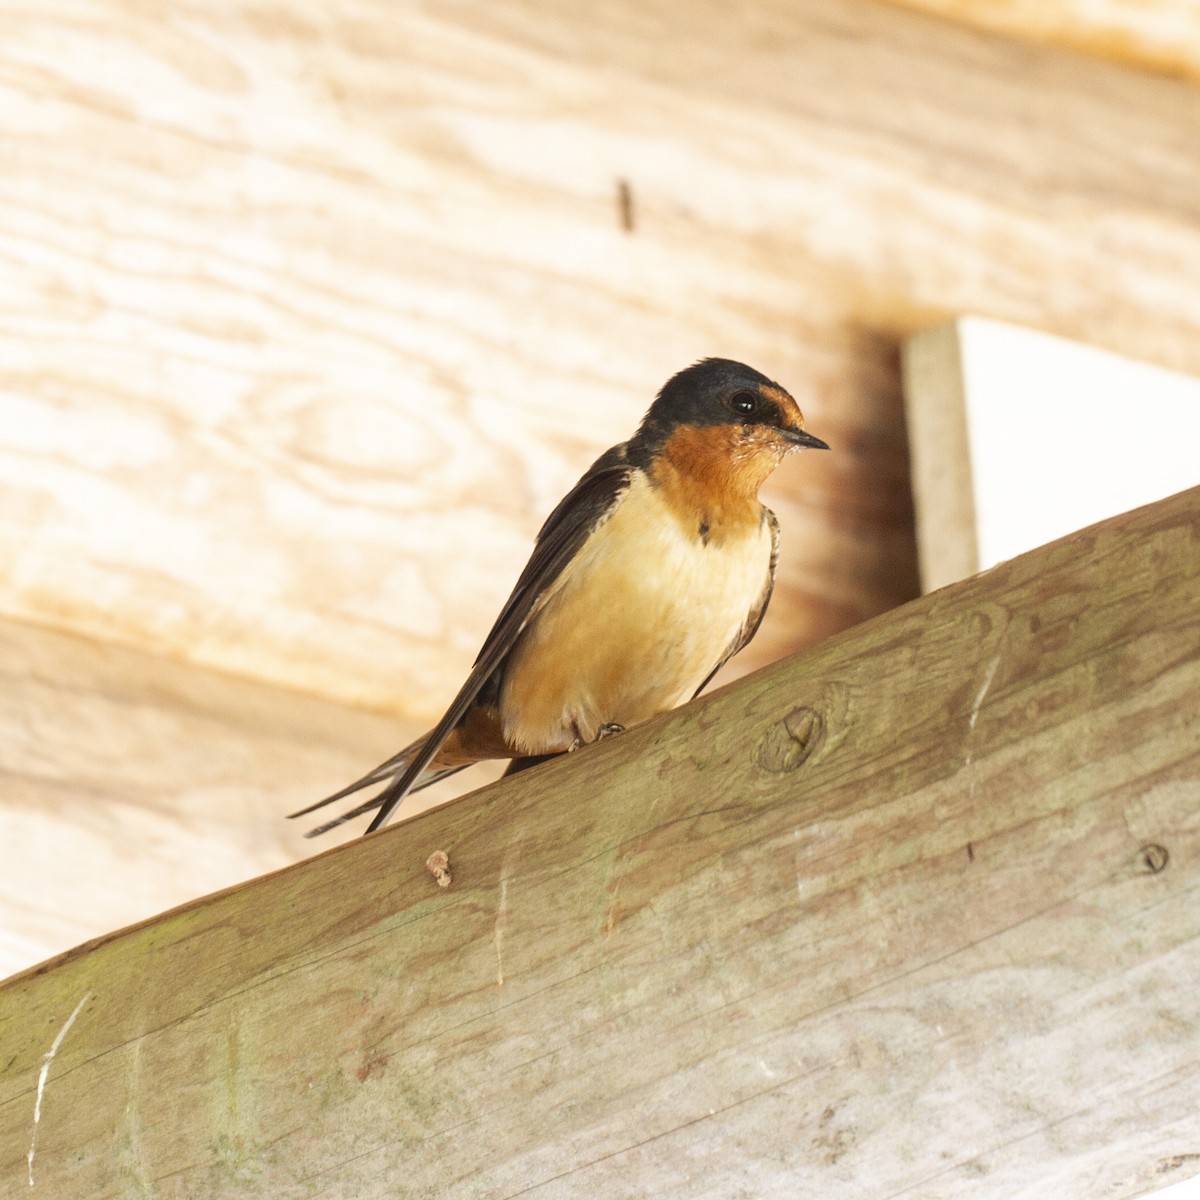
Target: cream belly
{"type": "Point", "coordinates": [633, 626]}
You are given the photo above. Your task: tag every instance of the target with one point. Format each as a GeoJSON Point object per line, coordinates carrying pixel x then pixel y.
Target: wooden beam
{"type": "Point", "coordinates": [915, 910]}
{"type": "Point", "coordinates": [939, 447]}
{"type": "Point", "coordinates": [1018, 437]}
{"type": "Point", "coordinates": [309, 317]}
{"type": "Point", "coordinates": [1152, 35]}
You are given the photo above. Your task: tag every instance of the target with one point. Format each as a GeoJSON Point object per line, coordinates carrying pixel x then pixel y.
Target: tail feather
{"type": "Point", "coordinates": [386, 772]}
{"type": "Point", "coordinates": [367, 805]}
{"type": "Point", "coordinates": [357, 811]}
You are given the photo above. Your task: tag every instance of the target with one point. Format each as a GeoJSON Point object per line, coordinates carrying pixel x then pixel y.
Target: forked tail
{"type": "Point", "coordinates": [386, 772]}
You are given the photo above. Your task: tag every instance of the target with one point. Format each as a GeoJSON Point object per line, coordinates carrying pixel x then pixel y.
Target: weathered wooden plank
{"type": "Point", "coordinates": [940, 453]}
{"type": "Point", "coordinates": [129, 784]}
{"type": "Point", "coordinates": [1154, 35]}
{"type": "Point", "coordinates": [309, 316]}
{"type": "Point", "coordinates": [1018, 437]}
{"type": "Point", "coordinates": [911, 913]}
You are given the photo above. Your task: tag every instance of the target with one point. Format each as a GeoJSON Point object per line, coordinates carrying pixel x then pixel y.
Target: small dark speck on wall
{"type": "Point", "coordinates": [625, 205]}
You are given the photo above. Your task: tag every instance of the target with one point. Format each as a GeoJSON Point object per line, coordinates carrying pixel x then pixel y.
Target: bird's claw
{"type": "Point", "coordinates": [605, 731]}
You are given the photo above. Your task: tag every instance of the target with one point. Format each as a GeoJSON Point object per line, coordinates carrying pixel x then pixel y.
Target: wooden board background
{"type": "Point", "coordinates": [981, 396]}
{"type": "Point", "coordinates": [308, 315]}
{"type": "Point", "coordinates": [912, 914]}
{"type": "Point", "coordinates": [130, 783]}
{"type": "Point", "coordinates": [1154, 35]}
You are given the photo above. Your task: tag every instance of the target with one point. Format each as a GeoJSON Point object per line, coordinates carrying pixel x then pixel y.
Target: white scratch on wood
{"type": "Point", "coordinates": [44, 1073]}
{"type": "Point", "coordinates": [133, 1117]}
{"type": "Point", "coordinates": [989, 675]}
{"type": "Point", "coordinates": [977, 704]}
{"type": "Point", "coordinates": [799, 864]}
{"type": "Point", "coordinates": [498, 935]}
{"type": "Point", "coordinates": [615, 875]}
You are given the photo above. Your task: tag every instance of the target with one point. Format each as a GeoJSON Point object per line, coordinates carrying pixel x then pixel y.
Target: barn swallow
{"type": "Point", "coordinates": [653, 571]}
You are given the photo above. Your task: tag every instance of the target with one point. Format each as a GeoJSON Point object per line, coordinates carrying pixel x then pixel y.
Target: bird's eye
{"type": "Point", "coordinates": [745, 404]}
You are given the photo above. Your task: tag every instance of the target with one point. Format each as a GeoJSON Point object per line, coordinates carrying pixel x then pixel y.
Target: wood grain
{"type": "Point", "coordinates": [911, 914]}
{"type": "Point", "coordinates": [309, 317]}
{"type": "Point", "coordinates": [131, 784]}
{"type": "Point", "coordinates": [1153, 35]}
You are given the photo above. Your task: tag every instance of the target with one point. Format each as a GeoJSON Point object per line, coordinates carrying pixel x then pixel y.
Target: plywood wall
{"type": "Point", "coordinates": [1152, 35]}
{"type": "Point", "coordinates": [310, 314]}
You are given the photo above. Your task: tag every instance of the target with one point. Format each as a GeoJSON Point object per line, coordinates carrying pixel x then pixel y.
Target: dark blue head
{"type": "Point", "coordinates": [718, 392]}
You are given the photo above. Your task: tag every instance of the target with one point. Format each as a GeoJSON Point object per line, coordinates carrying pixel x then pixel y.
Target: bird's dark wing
{"type": "Point", "coordinates": [584, 507]}
{"type": "Point", "coordinates": [564, 531]}
{"type": "Point", "coordinates": [755, 616]}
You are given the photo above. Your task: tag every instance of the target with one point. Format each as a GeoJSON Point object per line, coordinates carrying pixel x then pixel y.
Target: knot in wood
{"type": "Point", "coordinates": [790, 742]}
{"type": "Point", "coordinates": [1153, 858]}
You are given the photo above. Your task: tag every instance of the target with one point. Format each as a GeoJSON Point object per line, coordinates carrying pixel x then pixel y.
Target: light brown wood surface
{"type": "Point", "coordinates": [308, 315]}
{"type": "Point", "coordinates": [131, 784]}
{"type": "Point", "coordinates": [911, 914]}
{"type": "Point", "coordinates": [1153, 35]}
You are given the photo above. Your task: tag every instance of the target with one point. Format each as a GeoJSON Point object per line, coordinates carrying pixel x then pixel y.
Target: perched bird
{"type": "Point", "coordinates": [653, 570]}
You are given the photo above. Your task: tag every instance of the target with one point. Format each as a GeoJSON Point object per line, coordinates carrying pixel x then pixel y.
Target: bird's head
{"type": "Point", "coordinates": [723, 418]}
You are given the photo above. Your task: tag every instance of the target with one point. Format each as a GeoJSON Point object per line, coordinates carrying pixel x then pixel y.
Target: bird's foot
{"type": "Point", "coordinates": [605, 731]}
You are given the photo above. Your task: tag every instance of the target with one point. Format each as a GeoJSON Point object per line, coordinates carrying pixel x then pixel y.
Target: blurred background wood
{"type": "Point", "coordinates": [911, 913]}
{"type": "Point", "coordinates": [1154, 35]}
{"type": "Point", "coordinates": [309, 314]}
{"type": "Point", "coordinates": [131, 783]}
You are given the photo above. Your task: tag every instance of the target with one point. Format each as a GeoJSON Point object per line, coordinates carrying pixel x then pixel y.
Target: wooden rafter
{"type": "Point", "coordinates": [914, 911]}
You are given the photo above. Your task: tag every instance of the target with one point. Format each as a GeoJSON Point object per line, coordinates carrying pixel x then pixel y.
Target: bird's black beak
{"type": "Point", "coordinates": [803, 438]}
